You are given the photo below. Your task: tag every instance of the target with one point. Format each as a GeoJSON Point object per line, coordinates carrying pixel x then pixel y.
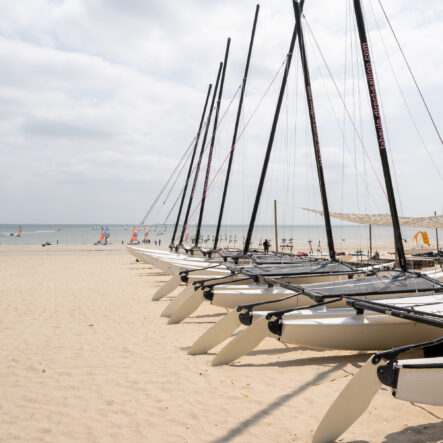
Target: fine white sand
{"type": "Point", "coordinates": [85, 356]}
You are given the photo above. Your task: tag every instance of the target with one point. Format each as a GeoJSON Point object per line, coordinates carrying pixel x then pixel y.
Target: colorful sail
{"type": "Point", "coordinates": [424, 237]}
{"type": "Point", "coordinates": [107, 233]}
{"type": "Point", "coordinates": [59, 228]}
{"type": "Point", "coordinates": [19, 232]}
{"type": "Point", "coordinates": [102, 234]}
{"type": "Point", "coordinates": [134, 235]}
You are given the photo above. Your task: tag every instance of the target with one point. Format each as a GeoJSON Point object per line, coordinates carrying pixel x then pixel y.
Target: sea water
{"type": "Point", "coordinates": [230, 236]}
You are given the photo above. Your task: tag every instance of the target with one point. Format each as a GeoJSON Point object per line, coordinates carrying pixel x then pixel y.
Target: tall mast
{"type": "Point", "coordinates": [202, 150]}
{"type": "Point", "coordinates": [237, 122]}
{"type": "Point", "coordinates": [379, 131]}
{"type": "Point", "coordinates": [211, 149]}
{"type": "Point", "coordinates": [314, 131]}
{"type": "Point", "coordinates": [190, 166]}
{"type": "Point", "coordinates": [271, 139]}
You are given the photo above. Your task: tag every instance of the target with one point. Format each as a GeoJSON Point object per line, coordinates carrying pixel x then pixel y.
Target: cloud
{"type": "Point", "coordinates": [98, 100]}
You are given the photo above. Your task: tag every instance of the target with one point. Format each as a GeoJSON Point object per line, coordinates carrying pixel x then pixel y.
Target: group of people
{"type": "Point", "coordinates": [148, 242]}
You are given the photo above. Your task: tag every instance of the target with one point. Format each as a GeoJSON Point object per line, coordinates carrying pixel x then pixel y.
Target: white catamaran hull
{"type": "Point", "coordinates": [230, 297]}
{"type": "Point", "coordinates": [357, 333]}
{"type": "Point", "coordinates": [324, 329]}
{"type": "Point", "coordinates": [175, 266]}
{"type": "Point", "coordinates": [420, 380]}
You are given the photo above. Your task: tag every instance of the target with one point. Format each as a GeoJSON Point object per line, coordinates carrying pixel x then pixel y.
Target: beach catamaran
{"type": "Point", "coordinates": [207, 266]}
{"type": "Point", "coordinates": [332, 331]}
{"type": "Point", "coordinates": [417, 380]}
{"type": "Point", "coordinates": [172, 261]}
{"type": "Point", "coordinates": [303, 270]}
{"type": "Point", "coordinates": [134, 236]}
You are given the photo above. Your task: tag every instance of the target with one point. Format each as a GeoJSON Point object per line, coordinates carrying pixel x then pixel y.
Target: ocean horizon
{"type": "Point", "coordinates": [230, 235]}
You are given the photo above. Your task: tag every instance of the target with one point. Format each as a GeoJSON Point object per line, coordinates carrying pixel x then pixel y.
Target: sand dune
{"type": "Point", "coordinates": [85, 356]}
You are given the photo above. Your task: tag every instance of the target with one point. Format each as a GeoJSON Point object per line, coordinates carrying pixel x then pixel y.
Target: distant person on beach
{"type": "Point", "coordinates": [155, 242]}
{"type": "Point", "coordinates": [159, 242]}
{"type": "Point", "coordinates": [266, 246]}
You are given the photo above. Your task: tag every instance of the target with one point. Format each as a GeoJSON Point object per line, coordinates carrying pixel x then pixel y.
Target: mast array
{"type": "Point", "coordinates": [211, 149]}
{"type": "Point", "coordinates": [202, 149]}
{"type": "Point", "coordinates": [271, 139]}
{"type": "Point", "coordinates": [191, 164]}
{"type": "Point", "coordinates": [237, 122]}
{"type": "Point", "coordinates": [297, 32]}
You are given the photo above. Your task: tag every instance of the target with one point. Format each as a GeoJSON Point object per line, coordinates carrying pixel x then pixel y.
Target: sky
{"type": "Point", "coordinates": [100, 99]}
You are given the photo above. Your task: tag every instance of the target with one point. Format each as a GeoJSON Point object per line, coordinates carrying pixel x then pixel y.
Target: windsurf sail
{"type": "Point", "coordinates": [59, 228]}
{"type": "Point", "coordinates": [107, 233]}
{"type": "Point", "coordinates": [102, 234]}
{"type": "Point", "coordinates": [19, 231]}
{"type": "Point", "coordinates": [134, 235]}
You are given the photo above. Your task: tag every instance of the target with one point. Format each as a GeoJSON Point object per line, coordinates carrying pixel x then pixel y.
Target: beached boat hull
{"type": "Point", "coordinates": [357, 333]}
{"type": "Point", "coordinates": [230, 297]}
{"type": "Point", "coordinates": [174, 266]}
{"type": "Point", "coordinates": [324, 330]}
{"type": "Point", "coordinates": [420, 380]}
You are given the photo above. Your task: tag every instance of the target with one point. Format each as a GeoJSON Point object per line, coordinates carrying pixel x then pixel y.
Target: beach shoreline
{"type": "Point", "coordinates": [87, 357]}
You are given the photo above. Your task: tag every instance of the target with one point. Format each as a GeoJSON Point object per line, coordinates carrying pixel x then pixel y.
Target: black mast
{"type": "Point", "coordinates": [211, 149]}
{"type": "Point", "coordinates": [314, 131]}
{"type": "Point", "coordinates": [271, 139]}
{"type": "Point", "coordinates": [190, 167]}
{"type": "Point", "coordinates": [202, 149]}
{"type": "Point", "coordinates": [379, 131]}
{"type": "Point", "coordinates": [237, 122]}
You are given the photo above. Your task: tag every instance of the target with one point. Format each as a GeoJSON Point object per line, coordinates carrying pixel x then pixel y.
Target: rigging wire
{"type": "Point", "coordinates": [186, 154]}
{"type": "Point", "coordinates": [356, 98]}
{"type": "Point", "coordinates": [404, 98]}
{"type": "Point", "coordinates": [383, 116]}
{"type": "Point", "coordinates": [410, 71]}
{"type": "Point", "coordinates": [345, 77]}
{"type": "Point", "coordinates": [239, 136]}
{"type": "Point", "coordinates": [340, 128]}
{"type": "Point", "coordinates": [347, 110]}
{"type": "Point", "coordinates": [294, 159]}
{"type": "Point", "coordinates": [159, 209]}
{"type": "Point", "coordinates": [207, 143]}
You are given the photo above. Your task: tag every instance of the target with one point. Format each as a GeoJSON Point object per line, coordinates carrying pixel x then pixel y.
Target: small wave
{"type": "Point", "coordinates": [25, 232]}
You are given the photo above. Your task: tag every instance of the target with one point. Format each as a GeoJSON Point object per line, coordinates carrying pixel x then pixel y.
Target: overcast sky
{"type": "Point", "coordinates": [100, 98]}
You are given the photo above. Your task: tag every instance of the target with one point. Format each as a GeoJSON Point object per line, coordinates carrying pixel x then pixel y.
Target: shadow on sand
{"type": "Point", "coordinates": [217, 314]}
{"type": "Point", "coordinates": [279, 402]}
{"type": "Point", "coordinates": [429, 432]}
{"type": "Point", "coordinates": [154, 274]}
{"type": "Point", "coordinates": [354, 360]}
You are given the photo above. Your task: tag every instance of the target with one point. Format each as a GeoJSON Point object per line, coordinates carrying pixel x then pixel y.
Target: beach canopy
{"type": "Point", "coordinates": [433, 222]}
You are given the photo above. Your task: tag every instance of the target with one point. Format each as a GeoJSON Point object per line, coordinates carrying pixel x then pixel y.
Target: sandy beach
{"type": "Point", "coordinates": [87, 357]}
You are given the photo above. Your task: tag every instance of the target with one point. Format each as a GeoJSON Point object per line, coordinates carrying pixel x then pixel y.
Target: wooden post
{"type": "Point", "coordinates": [275, 226]}
{"type": "Point", "coordinates": [370, 241]}
{"type": "Point", "coordinates": [436, 232]}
